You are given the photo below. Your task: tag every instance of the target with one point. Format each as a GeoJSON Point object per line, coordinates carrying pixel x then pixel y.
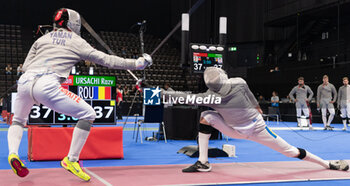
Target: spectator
{"type": "Point", "coordinates": [261, 99]}
{"type": "Point", "coordinates": [126, 90]}
{"type": "Point", "coordinates": [20, 70]}
{"type": "Point", "coordinates": [167, 87]}
{"type": "Point", "coordinates": [275, 103]}
{"type": "Point", "coordinates": [89, 63]}
{"type": "Point", "coordinates": [8, 69]}
{"type": "Point", "coordinates": [276, 69]}
{"type": "Point", "coordinates": [135, 54]}
{"type": "Point", "coordinates": [123, 52]}
{"type": "Point", "coordinates": [326, 96]}
{"type": "Point", "coordinates": [1, 104]}
{"type": "Point", "coordinates": [133, 90]}
{"type": "Point", "coordinates": [275, 99]}
{"type": "Point", "coordinates": [303, 97]}
{"type": "Point", "coordinates": [119, 99]}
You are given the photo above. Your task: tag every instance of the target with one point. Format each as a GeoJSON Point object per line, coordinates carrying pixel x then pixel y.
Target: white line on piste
{"type": "Point", "coordinates": [265, 181]}
{"type": "Point", "coordinates": [98, 177]}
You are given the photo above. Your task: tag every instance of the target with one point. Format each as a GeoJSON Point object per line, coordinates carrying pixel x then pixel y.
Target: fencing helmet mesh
{"type": "Point", "coordinates": [215, 78]}
{"type": "Point", "coordinates": [67, 18]}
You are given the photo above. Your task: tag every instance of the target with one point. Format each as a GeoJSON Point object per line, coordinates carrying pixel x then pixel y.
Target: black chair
{"type": "Point", "coordinates": [272, 113]}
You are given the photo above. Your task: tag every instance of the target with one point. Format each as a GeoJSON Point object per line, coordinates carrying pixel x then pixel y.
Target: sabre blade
{"type": "Point", "coordinates": [99, 40]}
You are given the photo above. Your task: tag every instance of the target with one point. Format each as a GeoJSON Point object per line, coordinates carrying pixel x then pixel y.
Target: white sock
{"type": "Point", "coordinates": [308, 122]}
{"type": "Point", "coordinates": [324, 119]}
{"type": "Point", "coordinates": [315, 159]}
{"type": "Point", "coordinates": [203, 141]}
{"type": "Point", "coordinates": [78, 140]}
{"type": "Point", "coordinates": [299, 122]}
{"type": "Point", "coordinates": [330, 119]}
{"type": "Point", "coordinates": [14, 137]}
{"type": "Point", "coordinates": [344, 123]}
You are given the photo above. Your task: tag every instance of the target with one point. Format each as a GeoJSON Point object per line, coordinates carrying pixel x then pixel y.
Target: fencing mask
{"type": "Point", "coordinates": [216, 80]}
{"type": "Point", "coordinates": [67, 18]}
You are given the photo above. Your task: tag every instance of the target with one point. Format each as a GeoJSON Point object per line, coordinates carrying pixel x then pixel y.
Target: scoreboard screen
{"type": "Point", "coordinates": [97, 91]}
{"type": "Point", "coordinates": [204, 56]}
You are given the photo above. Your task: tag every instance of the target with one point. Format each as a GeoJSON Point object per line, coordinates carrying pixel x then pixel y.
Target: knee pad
{"type": "Point", "coordinates": [84, 125]}
{"type": "Point", "coordinates": [206, 129]}
{"type": "Point", "coordinates": [302, 153]}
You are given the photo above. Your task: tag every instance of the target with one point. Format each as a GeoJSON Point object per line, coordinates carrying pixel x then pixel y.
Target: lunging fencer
{"type": "Point", "coordinates": [344, 101]}
{"type": "Point", "coordinates": [46, 66]}
{"type": "Point", "coordinates": [301, 100]}
{"type": "Point", "coordinates": [239, 116]}
{"type": "Point", "coordinates": [326, 96]}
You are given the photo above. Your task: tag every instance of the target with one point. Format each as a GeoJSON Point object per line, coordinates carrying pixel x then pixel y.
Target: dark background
{"type": "Point", "coordinates": [269, 29]}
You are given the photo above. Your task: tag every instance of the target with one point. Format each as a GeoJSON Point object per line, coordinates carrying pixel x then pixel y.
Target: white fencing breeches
{"type": "Point", "coordinates": [345, 110]}
{"type": "Point", "coordinates": [330, 110]}
{"type": "Point", "coordinates": [325, 104]}
{"type": "Point", "coordinates": [261, 133]}
{"type": "Point", "coordinates": [302, 107]}
{"type": "Point", "coordinates": [46, 89]}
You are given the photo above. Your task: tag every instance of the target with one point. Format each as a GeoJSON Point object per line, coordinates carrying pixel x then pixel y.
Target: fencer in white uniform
{"type": "Point", "coordinates": [301, 100]}
{"type": "Point", "coordinates": [239, 116]}
{"type": "Point", "coordinates": [46, 66]}
{"type": "Point", "coordinates": [326, 96]}
{"type": "Point", "coordinates": [344, 101]}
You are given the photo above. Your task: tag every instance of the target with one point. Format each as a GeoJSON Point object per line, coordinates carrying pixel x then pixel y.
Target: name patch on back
{"type": "Point", "coordinates": [59, 37]}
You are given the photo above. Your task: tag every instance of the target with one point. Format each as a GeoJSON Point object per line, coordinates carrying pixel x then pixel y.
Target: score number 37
{"type": "Point", "coordinates": [99, 111]}
{"type": "Point", "coordinates": [198, 66]}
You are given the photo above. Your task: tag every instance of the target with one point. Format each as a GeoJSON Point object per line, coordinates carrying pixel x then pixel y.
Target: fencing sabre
{"type": "Point", "coordinates": [99, 40]}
